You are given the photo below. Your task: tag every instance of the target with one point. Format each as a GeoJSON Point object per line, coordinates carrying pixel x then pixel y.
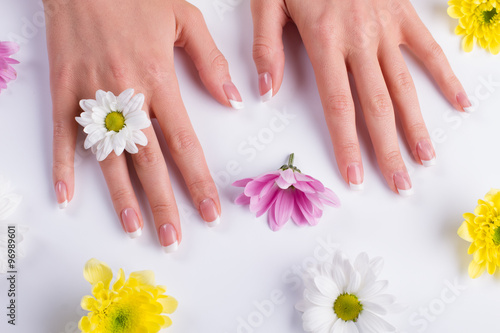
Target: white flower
{"type": "Point", "coordinates": [114, 123]}
{"type": "Point", "coordinates": [341, 297]}
{"type": "Point", "coordinates": [8, 204]}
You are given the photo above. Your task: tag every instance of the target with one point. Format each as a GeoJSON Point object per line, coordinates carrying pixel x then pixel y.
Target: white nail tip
{"type": "Point", "coordinates": [237, 105]}
{"type": "Point", "coordinates": [63, 205]}
{"type": "Point", "coordinates": [214, 223]}
{"type": "Point", "coordinates": [135, 234]}
{"type": "Point", "coordinates": [267, 96]}
{"type": "Point", "coordinates": [429, 163]}
{"type": "Point", "coordinates": [470, 109]}
{"type": "Point", "coordinates": [406, 193]}
{"type": "Point", "coordinates": [171, 248]}
{"type": "Point", "coordinates": [357, 187]}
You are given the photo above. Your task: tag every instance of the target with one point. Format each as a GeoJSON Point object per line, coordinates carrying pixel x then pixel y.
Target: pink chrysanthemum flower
{"type": "Point", "coordinates": [286, 193]}
{"type": "Point", "coordinates": [7, 72]}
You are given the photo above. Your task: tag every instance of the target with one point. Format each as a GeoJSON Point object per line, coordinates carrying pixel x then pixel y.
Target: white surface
{"type": "Point", "coordinates": [218, 274]}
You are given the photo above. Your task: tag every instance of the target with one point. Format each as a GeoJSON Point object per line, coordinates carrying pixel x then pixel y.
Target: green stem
{"type": "Point", "coordinates": [290, 160]}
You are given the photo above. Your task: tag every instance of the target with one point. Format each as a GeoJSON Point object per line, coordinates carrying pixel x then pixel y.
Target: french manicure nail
{"type": "Point", "coordinates": [426, 153]}
{"type": "Point", "coordinates": [403, 183]}
{"type": "Point", "coordinates": [233, 95]}
{"type": "Point", "coordinates": [168, 238]}
{"type": "Point", "coordinates": [61, 194]}
{"type": "Point", "coordinates": [355, 177]}
{"type": "Point", "coordinates": [209, 212]}
{"type": "Point", "coordinates": [465, 103]}
{"type": "Point", "coordinates": [265, 87]}
{"type": "Point", "coordinates": [131, 224]}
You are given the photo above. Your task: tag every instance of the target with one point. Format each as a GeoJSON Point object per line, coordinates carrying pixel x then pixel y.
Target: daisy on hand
{"type": "Point", "coordinates": [114, 123]}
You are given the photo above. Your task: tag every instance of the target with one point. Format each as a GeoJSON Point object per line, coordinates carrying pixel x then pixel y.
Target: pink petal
{"type": "Point", "coordinates": [316, 184]}
{"type": "Point", "coordinates": [314, 198]}
{"type": "Point", "coordinates": [304, 187]}
{"type": "Point", "coordinates": [300, 177]}
{"type": "Point", "coordinates": [297, 216]}
{"type": "Point", "coordinates": [11, 61]}
{"type": "Point", "coordinates": [286, 179]}
{"type": "Point", "coordinates": [328, 197]}
{"type": "Point", "coordinates": [9, 73]}
{"type": "Point", "coordinates": [266, 202]}
{"type": "Point", "coordinates": [254, 188]}
{"type": "Point", "coordinates": [267, 176]}
{"type": "Point", "coordinates": [242, 182]}
{"type": "Point", "coordinates": [284, 206]}
{"type": "Point", "coordinates": [8, 48]}
{"type": "Point", "coordinates": [266, 189]}
{"type": "Point", "coordinates": [303, 203]}
{"type": "Point", "coordinates": [272, 219]}
{"type": "Point", "coordinates": [242, 199]}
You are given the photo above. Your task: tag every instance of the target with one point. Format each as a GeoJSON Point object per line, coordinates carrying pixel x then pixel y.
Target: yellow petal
{"type": "Point", "coordinates": [169, 303]}
{"type": "Point", "coordinates": [144, 277]}
{"type": "Point", "coordinates": [84, 324]}
{"type": "Point", "coordinates": [455, 12]}
{"type": "Point", "coordinates": [88, 303]}
{"type": "Point", "coordinates": [463, 232]}
{"type": "Point", "coordinates": [475, 270]}
{"type": "Point", "coordinates": [96, 271]}
{"type": "Point", "coordinates": [120, 280]}
{"type": "Point", "coordinates": [491, 267]}
{"type": "Point", "coordinates": [468, 43]}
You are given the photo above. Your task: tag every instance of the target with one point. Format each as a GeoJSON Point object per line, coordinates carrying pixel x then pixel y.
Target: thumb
{"type": "Point", "coordinates": [269, 18]}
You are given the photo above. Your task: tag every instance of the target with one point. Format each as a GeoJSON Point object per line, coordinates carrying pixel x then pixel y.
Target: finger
{"type": "Point", "coordinates": [153, 174]}
{"type": "Point", "coordinates": [404, 95]}
{"type": "Point", "coordinates": [333, 85]}
{"type": "Point", "coordinates": [210, 62]}
{"type": "Point", "coordinates": [186, 150]}
{"type": "Point", "coordinates": [115, 171]}
{"type": "Point", "coordinates": [64, 143]}
{"type": "Point", "coordinates": [269, 18]}
{"type": "Point", "coordinates": [420, 41]}
{"type": "Point", "coordinates": [379, 115]}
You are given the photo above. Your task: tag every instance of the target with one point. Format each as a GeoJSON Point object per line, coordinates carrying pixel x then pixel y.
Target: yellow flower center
{"type": "Point", "coordinates": [496, 236]}
{"type": "Point", "coordinates": [489, 15]}
{"type": "Point", "coordinates": [114, 121]}
{"type": "Point", "coordinates": [347, 307]}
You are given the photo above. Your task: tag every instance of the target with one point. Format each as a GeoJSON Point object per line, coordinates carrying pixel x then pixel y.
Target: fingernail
{"type": "Point", "coordinates": [426, 153]}
{"type": "Point", "coordinates": [233, 95]}
{"type": "Point", "coordinates": [61, 194]}
{"type": "Point", "coordinates": [131, 224]}
{"type": "Point", "coordinates": [403, 183]}
{"type": "Point", "coordinates": [465, 103]}
{"type": "Point", "coordinates": [209, 212]}
{"type": "Point", "coordinates": [265, 87]}
{"type": "Point", "coordinates": [355, 177]}
{"type": "Point", "coordinates": [168, 238]}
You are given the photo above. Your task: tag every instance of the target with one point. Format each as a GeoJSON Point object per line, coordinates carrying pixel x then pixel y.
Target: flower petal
{"type": "Point", "coordinates": [134, 104]}
{"type": "Point", "coordinates": [242, 182]}
{"type": "Point", "coordinates": [96, 271]}
{"type": "Point", "coordinates": [284, 206]}
{"type": "Point", "coordinates": [124, 98]}
{"type": "Point", "coordinates": [242, 199]}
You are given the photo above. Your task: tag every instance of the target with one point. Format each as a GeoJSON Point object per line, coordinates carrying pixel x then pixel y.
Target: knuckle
{"type": "Point", "coordinates": [417, 128]}
{"type": "Point", "coordinates": [121, 195]}
{"type": "Point", "coordinates": [323, 28]}
{"type": "Point", "coordinates": [434, 51]}
{"type": "Point", "coordinates": [204, 186]}
{"type": "Point", "coordinates": [381, 106]}
{"type": "Point", "coordinates": [60, 167]}
{"type": "Point", "coordinates": [261, 48]}
{"type": "Point", "coordinates": [404, 82]}
{"type": "Point", "coordinates": [184, 142]}
{"type": "Point", "coordinates": [163, 208]}
{"type": "Point", "coordinates": [146, 157]}
{"type": "Point", "coordinates": [393, 157]}
{"type": "Point", "coordinates": [340, 104]}
{"type": "Point", "coordinates": [118, 71]}
{"type": "Point", "coordinates": [218, 62]}
{"type": "Point", "coordinates": [61, 132]}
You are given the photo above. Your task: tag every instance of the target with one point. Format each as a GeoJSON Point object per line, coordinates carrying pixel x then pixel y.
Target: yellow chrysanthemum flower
{"type": "Point", "coordinates": [479, 20]}
{"type": "Point", "coordinates": [482, 229]}
{"type": "Point", "coordinates": [135, 305]}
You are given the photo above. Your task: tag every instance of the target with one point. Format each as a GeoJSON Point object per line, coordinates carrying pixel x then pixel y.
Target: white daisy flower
{"type": "Point", "coordinates": [341, 297]}
{"type": "Point", "coordinates": [8, 204]}
{"type": "Point", "coordinates": [114, 123]}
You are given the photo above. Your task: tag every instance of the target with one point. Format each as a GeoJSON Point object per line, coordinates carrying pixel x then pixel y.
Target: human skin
{"type": "Point", "coordinates": [109, 45]}
{"type": "Point", "coordinates": [361, 37]}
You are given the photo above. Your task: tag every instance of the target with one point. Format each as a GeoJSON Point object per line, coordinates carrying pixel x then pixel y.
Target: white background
{"type": "Point", "coordinates": [218, 275]}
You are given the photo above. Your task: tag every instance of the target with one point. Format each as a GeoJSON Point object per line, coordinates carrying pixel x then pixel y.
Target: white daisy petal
{"type": "Point", "coordinates": [327, 287]}
{"type": "Point", "coordinates": [369, 290]}
{"type": "Point", "coordinates": [100, 97]}
{"type": "Point", "coordinates": [131, 147]}
{"type": "Point", "coordinates": [353, 283]}
{"type": "Point", "coordinates": [385, 300]}
{"type": "Point", "coordinates": [138, 122]}
{"type": "Point", "coordinates": [83, 121]}
{"type": "Point", "coordinates": [134, 104]}
{"type": "Point", "coordinates": [317, 317]}
{"type": "Point", "coordinates": [124, 98]}
{"type": "Point", "coordinates": [339, 278]}
{"type": "Point", "coordinates": [350, 327]}
{"type": "Point", "coordinates": [374, 307]}
{"type": "Point", "coordinates": [85, 106]}
{"type": "Point", "coordinates": [376, 265]}
{"type": "Point", "coordinates": [140, 138]}
{"type": "Point", "coordinates": [318, 299]}
{"type": "Point", "coordinates": [376, 323]}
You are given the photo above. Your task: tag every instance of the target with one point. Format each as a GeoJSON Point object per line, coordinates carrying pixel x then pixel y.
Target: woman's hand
{"type": "Point", "coordinates": [361, 37]}
{"type": "Point", "coordinates": [110, 45]}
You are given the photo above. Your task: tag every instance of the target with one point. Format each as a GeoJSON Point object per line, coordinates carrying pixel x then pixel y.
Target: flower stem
{"type": "Point", "coordinates": [290, 159]}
